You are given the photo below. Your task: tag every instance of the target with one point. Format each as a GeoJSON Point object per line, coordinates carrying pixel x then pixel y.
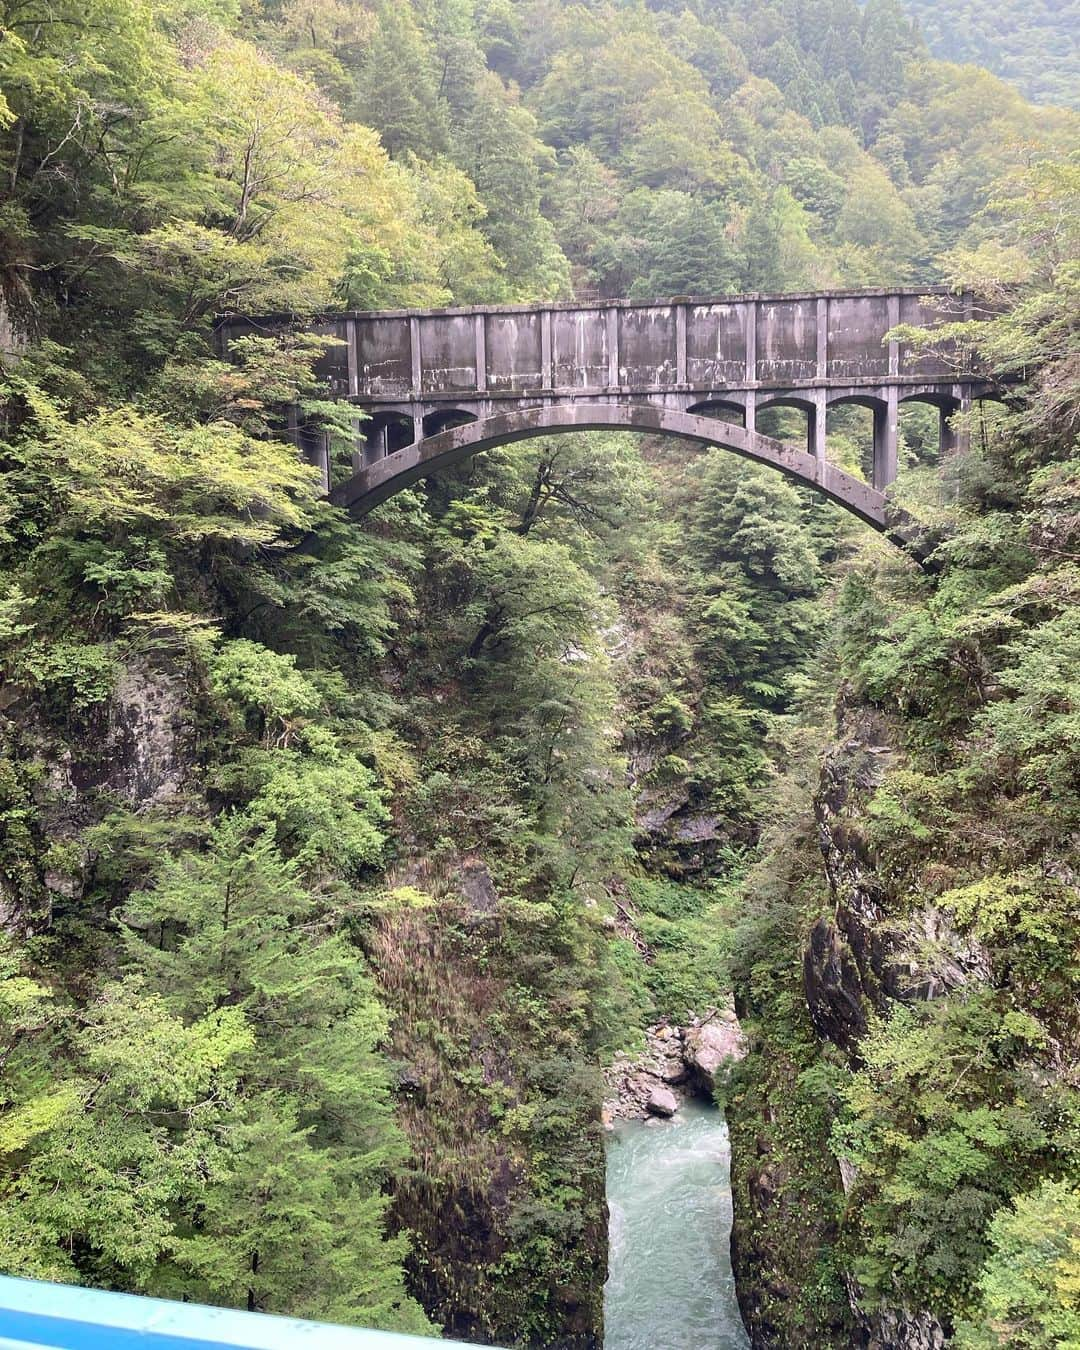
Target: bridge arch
{"type": "Point", "coordinates": [379, 481]}
{"type": "Point", "coordinates": [696, 367]}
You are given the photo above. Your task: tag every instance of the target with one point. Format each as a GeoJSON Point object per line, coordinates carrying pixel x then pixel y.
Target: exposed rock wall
{"type": "Point", "coordinates": [859, 955]}
{"type": "Point", "coordinates": [897, 1329]}
{"type": "Point", "coordinates": [862, 955]}
{"type": "Point", "coordinates": [12, 338]}
{"type": "Point", "coordinates": [149, 737]}
{"type": "Point", "coordinates": [500, 1111]}
{"type": "Point", "coordinates": [135, 750]}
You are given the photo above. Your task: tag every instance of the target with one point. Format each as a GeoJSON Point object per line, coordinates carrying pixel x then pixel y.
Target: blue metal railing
{"type": "Point", "coordinates": [65, 1317]}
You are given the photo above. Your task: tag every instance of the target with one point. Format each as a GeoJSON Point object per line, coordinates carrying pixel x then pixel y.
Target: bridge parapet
{"type": "Point", "coordinates": [695, 345]}
{"type": "Point", "coordinates": [65, 1317]}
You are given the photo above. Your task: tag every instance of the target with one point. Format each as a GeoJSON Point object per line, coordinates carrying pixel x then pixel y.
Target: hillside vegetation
{"type": "Point", "coordinates": [1032, 46]}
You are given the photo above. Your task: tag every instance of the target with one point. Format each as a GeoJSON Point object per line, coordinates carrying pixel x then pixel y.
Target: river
{"type": "Point", "coordinates": [670, 1285]}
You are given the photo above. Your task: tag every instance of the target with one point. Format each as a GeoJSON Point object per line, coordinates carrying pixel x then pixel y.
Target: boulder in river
{"type": "Point", "coordinates": [711, 1048]}
{"type": "Point", "coordinates": [662, 1102]}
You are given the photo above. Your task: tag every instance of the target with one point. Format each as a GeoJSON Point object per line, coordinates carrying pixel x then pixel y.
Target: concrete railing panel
{"type": "Point", "coordinates": [648, 355]}
{"type": "Point", "coordinates": [514, 346]}
{"type": "Point", "coordinates": [716, 345]}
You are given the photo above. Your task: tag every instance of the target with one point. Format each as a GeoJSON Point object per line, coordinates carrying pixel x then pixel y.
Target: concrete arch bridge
{"type": "Point", "coordinates": [437, 386]}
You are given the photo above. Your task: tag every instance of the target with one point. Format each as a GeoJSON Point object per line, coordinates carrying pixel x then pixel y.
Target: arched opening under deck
{"type": "Point", "coordinates": [446, 418]}
{"type": "Point", "coordinates": [387, 432]}
{"type": "Point", "coordinates": [720, 410]}
{"type": "Point", "coordinates": [770, 410]}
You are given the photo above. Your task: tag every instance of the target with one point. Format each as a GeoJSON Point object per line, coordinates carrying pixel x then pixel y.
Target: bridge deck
{"type": "Point", "coordinates": [499, 352]}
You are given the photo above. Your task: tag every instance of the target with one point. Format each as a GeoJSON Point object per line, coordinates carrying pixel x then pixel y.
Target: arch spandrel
{"type": "Point", "coordinates": [377, 483]}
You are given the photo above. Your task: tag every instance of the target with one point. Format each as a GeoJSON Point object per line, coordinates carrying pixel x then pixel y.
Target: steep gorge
{"type": "Point", "coordinates": [338, 862]}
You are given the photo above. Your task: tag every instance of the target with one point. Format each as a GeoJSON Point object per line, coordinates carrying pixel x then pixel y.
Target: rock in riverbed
{"type": "Point", "coordinates": [675, 1061]}
{"type": "Point", "coordinates": [712, 1048]}
{"type": "Point", "coordinates": [662, 1102]}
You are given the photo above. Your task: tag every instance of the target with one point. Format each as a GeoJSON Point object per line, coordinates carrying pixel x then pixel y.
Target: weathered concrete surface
{"type": "Point", "coordinates": [680, 366]}
{"type": "Point", "coordinates": [379, 481]}
{"type": "Point", "coordinates": [836, 337]}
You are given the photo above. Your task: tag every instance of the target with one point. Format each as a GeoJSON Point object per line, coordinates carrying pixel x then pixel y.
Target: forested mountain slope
{"type": "Point", "coordinates": [682, 150]}
{"type": "Point", "coordinates": [326, 871]}
{"type": "Point", "coordinates": [1035, 46]}
{"type": "Point", "coordinates": [919, 1001]}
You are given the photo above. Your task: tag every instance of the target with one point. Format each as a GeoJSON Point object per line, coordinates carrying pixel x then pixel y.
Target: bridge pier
{"type": "Point", "coordinates": [946, 434]}
{"type": "Point", "coordinates": [373, 445]}
{"type": "Point", "coordinates": [886, 439]}
{"type": "Point", "coordinates": [816, 428]}
{"type": "Point", "coordinates": [358, 445]}
{"type": "Point", "coordinates": [383, 433]}
{"type": "Point", "coordinates": [314, 445]}
{"type": "Point", "coordinates": [956, 440]}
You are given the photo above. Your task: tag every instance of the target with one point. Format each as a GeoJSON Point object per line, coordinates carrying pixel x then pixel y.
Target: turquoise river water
{"type": "Point", "coordinates": [670, 1285]}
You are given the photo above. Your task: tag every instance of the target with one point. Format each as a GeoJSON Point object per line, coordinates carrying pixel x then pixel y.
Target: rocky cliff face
{"type": "Point", "coordinates": [674, 824]}
{"type": "Point", "coordinates": [133, 751]}
{"type": "Point", "coordinates": [149, 740]}
{"type": "Point", "coordinates": [866, 955]}
{"type": "Point", "coordinates": [861, 954]}
{"type": "Point", "coordinates": [502, 1113]}
{"type": "Point", "coordinates": [888, 1328]}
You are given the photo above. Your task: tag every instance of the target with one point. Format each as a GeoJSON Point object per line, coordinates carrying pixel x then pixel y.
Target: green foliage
{"type": "Point", "coordinates": [957, 1120]}
{"type": "Point", "coordinates": [942, 1124]}
{"type": "Point", "coordinates": [71, 677]}
{"type": "Point", "coordinates": [1036, 727]}
{"type": "Point", "coordinates": [498, 147]}
{"type": "Point", "coordinates": [1025, 45]}
{"type": "Point", "coordinates": [266, 689]}
{"type": "Point", "coordinates": [1029, 1285]}
{"type": "Point", "coordinates": [327, 809]}
{"type": "Point", "coordinates": [667, 243]}
{"type": "Point", "coordinates": [197, 1055]}
{"type": "Point", "coordinates": [396, 89]}
{"type": "Point", "coordinates": [961, 1103]}
{"type": "Point", "coordinates": [231, 1109]}
{"type": "Point", "coordinates": [686, 930]}
{"type": "Point", "coordinates": [106, 1177]}
{"type": "Point", "coordinates": [187, 1108]}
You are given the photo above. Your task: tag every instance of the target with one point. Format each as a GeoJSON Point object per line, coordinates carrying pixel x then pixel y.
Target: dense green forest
{"type": "Point", "coordinates": [1032, 46]}
{"type": "Point", "coordinates": [329, 852]}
